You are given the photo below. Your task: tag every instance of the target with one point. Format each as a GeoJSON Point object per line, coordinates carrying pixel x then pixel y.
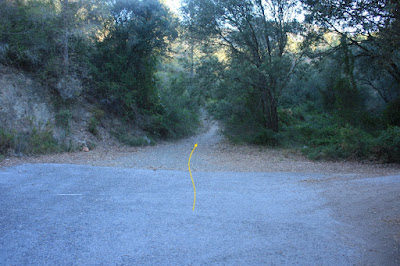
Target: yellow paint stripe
{"type": "Point", "coordinates": [190, 172]}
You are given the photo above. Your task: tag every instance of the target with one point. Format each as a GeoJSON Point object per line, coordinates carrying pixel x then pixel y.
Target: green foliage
{"type": "Point", "coordinates": [6, 141]}
{"type": "Point", "coordinates": [41, 142]}
{"type": "Point", "coordinates": [264, 136]}
{"type": "Point", "coordinates": [112, 48]}
{"type": "Point", "coordinates": [391, 114]}
{"type": "Point", "coordinates": [97, 113]}
{"type": "Point", "coordinates": [93, 123]}
{"type": "Point", "coordinates": [240, 106]}
{"type": "Point", "coordinates": [131, 140]}
{"type": "Point", "coordinates": [51, 39]}
{"type": "Point", "coordinates": [179, 98]}
{"type": "Point", "coordinates": [63, 120]}
{"type": "Point", "coordinates": [338, 142]}
{"type": "Point", "coordinates": [387, 145]}
{"type": "Point", "coordinates": [373, 39]}
{"type": "Point", "coordinates": [125, 65]}
{"type": "Point", "coordinates": [38, 141]}
{"type": "Point", "coordinates": [301, 124]}
{"type": "Point", "coordinates": [25, 31]}
{"type": "Point", "coordinates": [304, 86]}
{"type": "Point", "coordinates": [208, 78]}
{"type": "Point", "coordinates": [330, 105]}
{"type": "Point", "coordinates": [324, 136]}
{"type": "Point", "coordinates": [256, 42]}
{"type": "Point", "coordinates": [125, 61]}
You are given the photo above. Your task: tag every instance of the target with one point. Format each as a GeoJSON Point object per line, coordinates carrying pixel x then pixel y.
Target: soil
{"type": "Point", "coordinates": [214, 153]}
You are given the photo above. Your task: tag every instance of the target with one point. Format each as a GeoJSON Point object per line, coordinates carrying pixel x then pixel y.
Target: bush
{"type": "Point", "coordinates": [98, 113]}
{"type": "Point", "coordinates": [7, 141]}
{"type": "Point", "coordinates": [181, 122]}
{"type": "Point", "coordinates": [93, 123]}
{"type": "Point", "coordinates": [339, 143]}
{"type": "Point", "coordinates": [156, 125]}
{"type": "Point", "coordinates": [41, 142]}
{"type": "Point", "coordinates": [131, 140]}
{"type": "Point", "coordinates": [391, 113]}
{"type": "Point", "coordinates": [387, 145]}
{"type": "Point", "coordinates": [37, 141]}
{"type": "Point", "coordinates": [63, 120]}
{"type": "Point", "coordinates": [264, 136]}
{"type": "Point", "coordinates": [179, 104]}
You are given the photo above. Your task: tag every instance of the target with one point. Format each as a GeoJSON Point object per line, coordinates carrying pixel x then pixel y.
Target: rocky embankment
{"type": "Point", "coordinates": [29, 109]}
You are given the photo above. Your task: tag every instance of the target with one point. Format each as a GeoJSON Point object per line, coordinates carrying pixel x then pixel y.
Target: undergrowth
{"type": "Point", "coordinates": [320, 135]}
{"type": "Point", "coordinates": [38, 141]}
{"type": "Point", "coordinates": [132, 140]}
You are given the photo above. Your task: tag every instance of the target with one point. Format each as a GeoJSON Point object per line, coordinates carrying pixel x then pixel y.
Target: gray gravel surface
{"type": "Point", "coordinates": [254, 206]}
{"type": "Point", "coordinates": [213, 154]}
{"type": "Point", "coordinates": [69, 214]}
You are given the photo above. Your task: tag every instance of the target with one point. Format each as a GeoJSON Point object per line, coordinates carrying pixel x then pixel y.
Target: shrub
{"type": "Point", "coordinates": [264, 136]}
{"type": "Point", "coordinates": [63, 120]}
{"type": "Point", "coordinates": [98, 113]}
{"type": "Point", "coordinates": [391, 114]}
{"type": "Point", "coordinates": [131, 140]}
{"type": "Point", "coordinates": [339, 143]}
{"type": "Point", "coordinates": [41, 142]}
{"type": "Point", "coordinates": [93, 123]}
{"type": "Point", "coordinates": [156, 124]}
{"type": "Point", "coordinates": [7, 141]}
{"type": "Point", "coordinates": [387, 145]}
{"type": "Point", "coordinates": [180, 123]}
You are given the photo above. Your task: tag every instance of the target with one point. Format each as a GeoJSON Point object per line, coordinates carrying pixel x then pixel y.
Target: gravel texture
{"type": "Point", "coordinates": [254, 206]}
{"type": "Point", "coordinates": [213, 153]}
{"type": "Point", "coordinates": [55, 214]}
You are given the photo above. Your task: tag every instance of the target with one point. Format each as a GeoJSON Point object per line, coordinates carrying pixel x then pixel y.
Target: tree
{"type": "Point", "coordinates": [78, 23]}
{"type": "Point", "coordinates": [256, 34]}
{"type": "Point", "coordinates": [372, 27]}
{"type": "Point", "coordinates": [51, 39]}
{"type": "Point", "coordinates": [26, 33]}
{"type": "Point", "coordinates": [125, 62]}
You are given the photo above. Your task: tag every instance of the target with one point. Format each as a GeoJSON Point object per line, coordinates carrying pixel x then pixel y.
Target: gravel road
{"type": "Point", "coordinates": [68, 214]}
{"type": "Point", "coordinates": [213, 153]}
{"type": "Point", "coordinates": [125, 206]}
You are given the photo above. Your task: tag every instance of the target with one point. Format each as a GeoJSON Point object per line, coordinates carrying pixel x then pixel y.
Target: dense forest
{"type": "Point", "coordinates": [322, 77]}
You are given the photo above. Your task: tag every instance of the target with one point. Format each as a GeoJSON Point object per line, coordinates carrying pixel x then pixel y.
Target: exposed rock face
{"type": "Point", "coordinates": [23, 102]}
{"type": "Point", "coordinates": [69, 88]}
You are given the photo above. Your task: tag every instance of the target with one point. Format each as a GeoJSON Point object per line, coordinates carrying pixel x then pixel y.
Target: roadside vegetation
{"type": "Point", "coordinates": [39, 141]}
{"type": "Point", "coordinates": [320, 77]}
{"type": "Point", "coordinates": [328, 85]}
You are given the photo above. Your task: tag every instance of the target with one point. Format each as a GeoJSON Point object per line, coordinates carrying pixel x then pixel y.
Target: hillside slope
{"type": "Point", "coordinates": [28, 107]}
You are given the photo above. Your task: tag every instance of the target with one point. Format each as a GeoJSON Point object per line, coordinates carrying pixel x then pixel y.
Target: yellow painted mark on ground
{"type": "Point", "coordinates": [194, 188]}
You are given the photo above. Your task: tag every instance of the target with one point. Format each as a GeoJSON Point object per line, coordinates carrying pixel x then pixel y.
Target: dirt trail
{"type": "Point", "coordinates": [214, 153]}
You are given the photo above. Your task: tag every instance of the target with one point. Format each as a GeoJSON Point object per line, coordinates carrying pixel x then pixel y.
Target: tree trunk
{"type": "Point", "coordinates": [65, 38]}
{"type": "Point", "coordinates": [274, 120]}
{"type": "Point", "coordinates": [270, 104]}
{"type": "Point", "coordinates": [270, 110]}
{"type": "Point", "coordinates": [65, 53]}
{"type": "Point", "coordinates": [191, 60]}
